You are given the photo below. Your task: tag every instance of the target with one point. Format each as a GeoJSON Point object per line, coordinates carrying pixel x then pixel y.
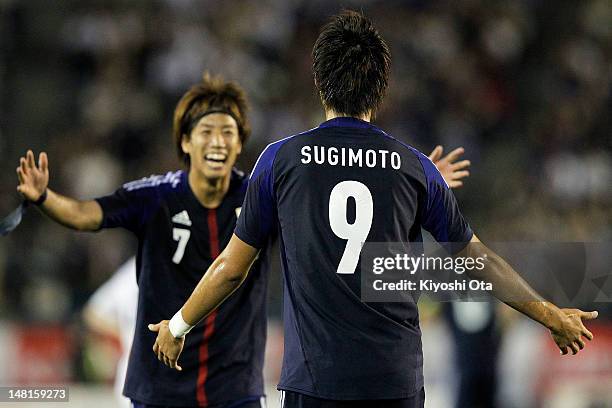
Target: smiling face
{"type": "Point", "coordinates": [213, 146]}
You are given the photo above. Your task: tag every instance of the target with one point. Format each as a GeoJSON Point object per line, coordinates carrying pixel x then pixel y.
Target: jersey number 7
{"type": "Point", "coordinates": [357, 232]}
{"type": "Point", "coordinates": [182, 236]}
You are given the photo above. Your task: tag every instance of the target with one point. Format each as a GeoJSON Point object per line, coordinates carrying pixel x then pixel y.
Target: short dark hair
{"type": "Point", "coordinates": [351, 64]}
{"type": "Point", "coordinates": [213, 94]}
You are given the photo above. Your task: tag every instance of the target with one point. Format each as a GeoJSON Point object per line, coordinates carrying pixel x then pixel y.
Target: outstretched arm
{"type": "Point", "coordinates": [565, 325]}
{"type": "Point", "coordinates": [223, 277]}
{"type": "Point", "coordinates": [33, 183]}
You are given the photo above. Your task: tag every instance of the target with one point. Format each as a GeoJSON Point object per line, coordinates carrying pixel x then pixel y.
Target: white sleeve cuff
{"type": "Point", "coordinates": [178, 327]}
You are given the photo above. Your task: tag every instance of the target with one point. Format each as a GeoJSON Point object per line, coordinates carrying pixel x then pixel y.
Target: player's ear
{"type": "Point", "coordinates": [186, 143]}
{"type": "Point", "coordinates": [239, 147]}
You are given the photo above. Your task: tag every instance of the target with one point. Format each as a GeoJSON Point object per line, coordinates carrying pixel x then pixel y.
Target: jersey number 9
{"type": "Point", "coordinates": [356, 233]}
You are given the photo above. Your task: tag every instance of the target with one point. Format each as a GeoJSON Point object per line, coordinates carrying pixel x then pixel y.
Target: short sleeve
{"type": "Point", "coordinates": [127, 207]}
{"type": "Point", "coordinates": [257, 217]}
{"type": "Point", "coordinates": [440, 213]}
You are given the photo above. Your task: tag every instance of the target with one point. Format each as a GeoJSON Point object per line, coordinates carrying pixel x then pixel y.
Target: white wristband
{"type": "Point", "coordinates": [178, 327]}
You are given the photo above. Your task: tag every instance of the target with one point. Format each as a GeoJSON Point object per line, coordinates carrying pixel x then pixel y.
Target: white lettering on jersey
{"type": "Point", "coordinates": [155, 180]}
{"type": "Point", "coordinates": [349, 157]}
{"type": "Point", "coordinates": [181, 236]}
{"type": "Point", "coordinates": [356, 233]}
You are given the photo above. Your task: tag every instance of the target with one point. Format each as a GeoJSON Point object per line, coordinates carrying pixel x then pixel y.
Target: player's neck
{"type": "Point", "coordinates": [330, 114]}
{"type": "Point", "coordinates": [209, 192]}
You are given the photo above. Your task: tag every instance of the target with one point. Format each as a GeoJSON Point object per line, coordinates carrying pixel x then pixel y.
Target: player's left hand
{"type": "Point", "coordinates": [570, 331]}
{"type": "Point", "coordinates": [167, 347]}
{"type": "Point", "coordinates": [452, 170]}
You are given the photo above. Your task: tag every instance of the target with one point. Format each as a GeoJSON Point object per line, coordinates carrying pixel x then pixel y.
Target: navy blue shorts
{"type": "Point", "coordinates": [294, 400]}
{"type": "Point", "coordinates": [255, 402]}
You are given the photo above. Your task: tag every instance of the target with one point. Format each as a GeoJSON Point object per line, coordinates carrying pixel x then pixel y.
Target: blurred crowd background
{"type": "Point", "coordinates": [525, 86]}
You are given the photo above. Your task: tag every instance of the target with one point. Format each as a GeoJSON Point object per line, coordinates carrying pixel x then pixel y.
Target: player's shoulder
{"type": "Point", "coordinates": [270, 152]}
{"type": "Point", "coordinates": [425, 163]}
{"type": "Point", "coordinates": [430, 172]}
{"type": "Point", "coordinates": [406, 147]}
{"type": "Point", "coordinates": [157, 183]}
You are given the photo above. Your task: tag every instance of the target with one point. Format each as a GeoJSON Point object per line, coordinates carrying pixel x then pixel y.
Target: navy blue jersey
{"type": "Point", "coordinates": [178, 239]}
{"type": "Point", "coordinates": [328, 190]}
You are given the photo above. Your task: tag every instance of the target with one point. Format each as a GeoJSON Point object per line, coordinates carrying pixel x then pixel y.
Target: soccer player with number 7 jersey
{"type": "Point", "coordinates": [182, 220]}
{"type": "Point", "coordinates": [326, 191]}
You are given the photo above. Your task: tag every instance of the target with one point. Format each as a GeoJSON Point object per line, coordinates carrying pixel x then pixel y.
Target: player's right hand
{"type": "Point", "coordinates": [568, 335]}
{"type": "Point", "coordinates": [167, 348]}
{"type": "Point", "coordinates": [33, 179]}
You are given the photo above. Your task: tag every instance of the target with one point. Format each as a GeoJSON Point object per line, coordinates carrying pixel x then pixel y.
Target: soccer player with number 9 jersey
{"type": "Point", "coordinates": [325, 192]}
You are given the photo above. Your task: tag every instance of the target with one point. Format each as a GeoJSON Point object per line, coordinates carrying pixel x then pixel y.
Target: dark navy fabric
{"type": "Point", "coordinates": [441, 216]}
{"type": "Point", "coordinates": [337, 346]}
{"type": "Point", "coordinates": [177, 241]}
{"type": "Point", "coordinates": [247, 403]}
{"type": "Point", "coordinates": [262, 205]}
{"type": "Point", "coordinates": [11, 221]}
{"type": "Point", "coordinates": [295, 400]}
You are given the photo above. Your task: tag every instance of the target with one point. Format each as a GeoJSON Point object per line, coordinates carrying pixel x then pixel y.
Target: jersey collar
{"type": "Point", "coordinates": [237, 185]}
{"type": "Point", "coordinates": [347, 121]}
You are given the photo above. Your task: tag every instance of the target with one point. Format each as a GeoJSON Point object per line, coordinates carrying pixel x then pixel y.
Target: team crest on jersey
{"type": "Point", "coordinates": [182, 218]}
